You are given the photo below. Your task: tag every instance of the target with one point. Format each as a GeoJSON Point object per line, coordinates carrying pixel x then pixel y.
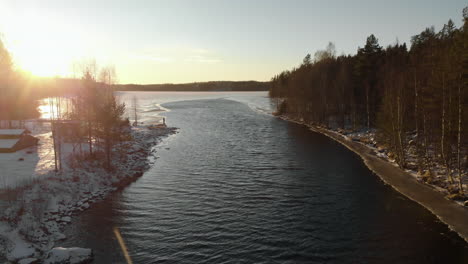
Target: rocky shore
{"type": "Point", "coordinates": [33, 217]}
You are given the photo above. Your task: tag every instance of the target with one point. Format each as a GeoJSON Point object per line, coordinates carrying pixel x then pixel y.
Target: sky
{"type": "Point", "coordinates": [179, 41]}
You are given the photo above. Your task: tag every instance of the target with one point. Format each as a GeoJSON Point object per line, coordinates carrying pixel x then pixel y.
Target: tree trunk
{"type": "Point", "coordinates": [400, 130]}
{"type": "Point", "coordinates": [442, 139]}
{"type": "Point", "coordinates": [108, 150]}
{"type": "Point", "coordinates": [367, 107]}
{"type": "Point", "coordinates": [54, 134]}
{"type": "Point", "coordinates": [90, 139]}
{"type": "Point", "coordinates": [460, 176]}
{"type": "Point", "coordinates": [426, 147]}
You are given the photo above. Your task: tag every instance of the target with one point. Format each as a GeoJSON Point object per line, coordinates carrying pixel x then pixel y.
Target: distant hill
{"type": "Point", "coordinates": [199, 86]}
{"type": "Point", "coordinates": [46, 86]}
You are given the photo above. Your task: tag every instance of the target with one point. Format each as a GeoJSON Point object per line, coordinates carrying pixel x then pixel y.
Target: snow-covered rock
{"type": "Point", "coordinates": [29, 261]}
{"type": "Point", "coordinates": [20, 249]}
{"type": "Point", "coordinates": [73, 255]}
{"type": "Point", "coordinates": [65, 219]}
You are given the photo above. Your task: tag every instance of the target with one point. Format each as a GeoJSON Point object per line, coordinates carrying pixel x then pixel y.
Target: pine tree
{"type": "Point", "coordinates": [367, 62]}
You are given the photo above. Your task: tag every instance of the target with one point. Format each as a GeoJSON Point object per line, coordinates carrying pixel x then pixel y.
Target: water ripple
{"type": "Point", "coordinates": [237, 186]}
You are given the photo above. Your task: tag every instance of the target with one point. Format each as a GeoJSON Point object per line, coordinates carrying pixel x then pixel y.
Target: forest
{"type": "Point", "coordinates": [411, 97]}
{"type": "Point", "coordinates": [198, 86]}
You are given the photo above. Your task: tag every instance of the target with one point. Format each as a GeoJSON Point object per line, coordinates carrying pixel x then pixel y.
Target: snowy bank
{"type": "Point", "coordinates": [32, 217]}
{"type": "Point", "coordinates": [406, 182]}
{"type": "Point", "coordinates": [61, 255]}
{"type": "Point", "coordinates": [22, 167]}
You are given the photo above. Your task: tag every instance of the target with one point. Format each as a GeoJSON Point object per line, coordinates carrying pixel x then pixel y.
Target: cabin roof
{"type": "Point", "coordinates": [8, 143]}
{"type": "Point", "coordinates": [11, 132]}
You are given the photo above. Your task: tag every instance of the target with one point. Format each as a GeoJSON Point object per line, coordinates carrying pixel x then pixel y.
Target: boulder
{"type": "Point", "coordinates": [72, 255]}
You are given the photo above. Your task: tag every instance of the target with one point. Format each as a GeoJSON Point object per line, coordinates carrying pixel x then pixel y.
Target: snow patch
{"type": "Point", "coordinates": [28, 261]}
{"type": "Point", "coordinates": [73, 255]}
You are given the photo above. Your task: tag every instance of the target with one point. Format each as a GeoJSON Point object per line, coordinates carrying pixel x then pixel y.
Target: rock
{"type": "Point", "coordinates": [465, 203]}
{"type": "Point", "coordinates": [29, 261]}
{"type": "Point", "coordinates": [73, 255]}
{"type": "Point", "coordinates": [65, 219]}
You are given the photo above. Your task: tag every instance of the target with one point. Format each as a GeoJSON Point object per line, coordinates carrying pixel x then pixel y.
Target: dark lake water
{"type": "Point", "coordinates": [239, 186]}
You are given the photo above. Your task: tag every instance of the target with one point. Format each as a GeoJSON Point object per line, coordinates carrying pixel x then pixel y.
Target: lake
{"type": "Point", "coordinates": [237, 185]}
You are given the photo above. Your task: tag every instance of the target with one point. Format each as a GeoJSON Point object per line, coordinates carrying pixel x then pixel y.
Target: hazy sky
{"type": "Point", "coordinates": [202, 40]}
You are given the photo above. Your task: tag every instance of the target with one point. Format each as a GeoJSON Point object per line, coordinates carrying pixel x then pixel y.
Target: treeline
{"type": "Point", "coordinates": [201, 86]}
{"type": "Point", "coordinates": [16, 101]}
{"type": "Point", "coordinates": [42, 87]}
{"type": "Point", "coordinates": [409, 96]}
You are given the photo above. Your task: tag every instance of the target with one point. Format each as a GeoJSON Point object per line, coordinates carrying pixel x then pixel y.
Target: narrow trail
{"type": "Point", "coordinates": [449, 212]}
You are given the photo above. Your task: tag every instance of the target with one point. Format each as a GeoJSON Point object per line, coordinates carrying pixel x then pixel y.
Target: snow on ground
{"type": "Point", "coordinates": [11, 131]}
{"type": "Point", "coordinates": [440, 180]}
{"type": "Point", "coordinates": [37, 212]}
{"type": "Point", "coordinates": [7, 143]}
{"type": "Point", "coordinates": [28, 261]}
{"type": "Point", "coordinates": [16, 246]}
{"type": "Point", "coordinates": [21, 167]}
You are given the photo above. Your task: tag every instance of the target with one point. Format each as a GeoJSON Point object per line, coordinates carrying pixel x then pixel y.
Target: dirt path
{"type": "Point", "coordinates": [449, 212]}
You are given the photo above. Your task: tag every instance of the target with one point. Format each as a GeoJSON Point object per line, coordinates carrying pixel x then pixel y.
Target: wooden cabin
{"type": "Point", "coordinates": [12, 140]}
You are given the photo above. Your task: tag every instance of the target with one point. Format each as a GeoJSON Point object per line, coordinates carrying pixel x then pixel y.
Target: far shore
{"type": "Point", "coordinates": [448, 211]}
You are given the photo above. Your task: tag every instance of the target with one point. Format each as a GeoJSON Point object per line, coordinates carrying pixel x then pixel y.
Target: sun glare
{"type": "Point", "coordinates": [41, 62]}
{"type": "Point", "coordinates": [40, 46]}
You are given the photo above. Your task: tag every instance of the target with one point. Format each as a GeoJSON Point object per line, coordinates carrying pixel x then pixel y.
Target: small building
{"type": "Point", "coordinates": [12, 140]}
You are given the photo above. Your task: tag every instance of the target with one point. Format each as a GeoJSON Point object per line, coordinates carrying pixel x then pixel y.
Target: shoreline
{"type": "Point", "coordinates": [31, 229]}
{"type": "Point", "coordinates": [449, 212]}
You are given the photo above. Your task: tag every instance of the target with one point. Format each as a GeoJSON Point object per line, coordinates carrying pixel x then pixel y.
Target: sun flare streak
{"type": "Point", "coordinates": [122, 245]}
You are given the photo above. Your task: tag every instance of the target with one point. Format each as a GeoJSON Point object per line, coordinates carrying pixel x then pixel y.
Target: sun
{"type": "Point", "coordinates": [41, 59]}
{"type": "Point", "coordinates": [39, 45]}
